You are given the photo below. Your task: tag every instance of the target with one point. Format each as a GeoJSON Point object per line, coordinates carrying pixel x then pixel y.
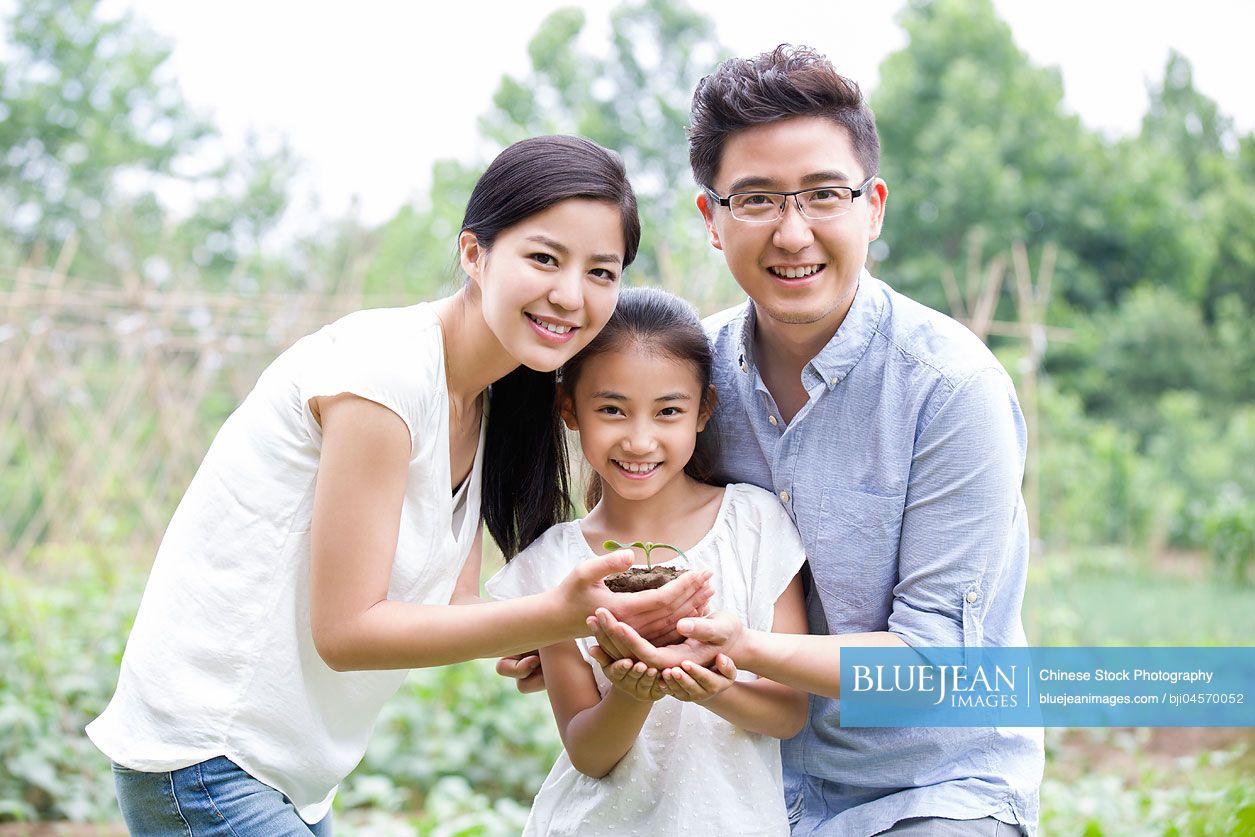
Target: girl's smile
{"type": "Point", "coordinates": [638, 412]}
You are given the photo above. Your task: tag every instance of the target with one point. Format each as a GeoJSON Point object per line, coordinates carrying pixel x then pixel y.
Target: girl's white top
{"type": "Point", "coordinates": [221, 660]}
{"type": "Point", "coordinates": [690, 771]}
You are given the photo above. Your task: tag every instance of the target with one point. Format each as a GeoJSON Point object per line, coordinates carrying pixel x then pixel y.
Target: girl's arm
{"type": "Point", "coordinates": [597, 732]}
{"type": "Point", "coordinates": [762, 706]}
{"type": "Point", "coordinates": [357, 516]}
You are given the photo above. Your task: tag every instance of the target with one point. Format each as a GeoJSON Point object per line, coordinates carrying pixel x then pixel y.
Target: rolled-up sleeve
{"type": "Point", "coordinates": [963, 530]}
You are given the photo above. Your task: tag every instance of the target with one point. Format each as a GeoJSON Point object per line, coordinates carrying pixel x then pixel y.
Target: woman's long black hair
{"type": "Point", "coordinates": [666, 325]}
{"type": "Point", "coordinates": [525, 488]}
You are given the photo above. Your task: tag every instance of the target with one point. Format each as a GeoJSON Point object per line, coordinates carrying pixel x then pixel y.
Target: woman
{"type": "Point", "coordinates": [333, 529]}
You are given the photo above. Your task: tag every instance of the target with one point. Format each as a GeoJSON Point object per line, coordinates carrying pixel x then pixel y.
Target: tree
{"type": "Point", "coordinates": [633, 98]}
{"type": "Point", "coordinates": [81, 99]}
{"type": "Point", "coordinates": [91, 124]}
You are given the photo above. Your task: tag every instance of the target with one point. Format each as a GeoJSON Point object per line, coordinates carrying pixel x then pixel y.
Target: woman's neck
{"type": "Point", "coordinates": [474, 357]}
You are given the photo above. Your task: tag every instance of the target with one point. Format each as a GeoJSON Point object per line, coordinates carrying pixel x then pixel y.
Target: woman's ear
{"type": "Point", "coordinates": [471, 255]}
{"type": "Point", "coordinates": [566, 409]}
{"type": "Point", "coordinates": [708, 407]}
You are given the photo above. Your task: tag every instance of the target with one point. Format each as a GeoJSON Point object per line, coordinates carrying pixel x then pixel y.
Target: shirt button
{"type": "Point", "coordinates": [784, 496]}
{"type": "Point", "coordinates": [971, 597]}
{"type": "Point", "coordinates": [836, 381]}
{"type": "Point", "coordinates": [773, 421]}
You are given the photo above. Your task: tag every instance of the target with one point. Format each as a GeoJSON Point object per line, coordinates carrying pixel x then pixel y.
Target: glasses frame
{"type": "Point", "coordinates": [784, 205]}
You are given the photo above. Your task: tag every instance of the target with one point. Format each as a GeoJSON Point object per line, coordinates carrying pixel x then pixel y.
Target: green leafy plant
{"type": "Point", "coordinates": [647, 546]}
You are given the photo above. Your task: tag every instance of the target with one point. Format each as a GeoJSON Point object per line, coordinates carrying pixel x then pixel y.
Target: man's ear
{"type": "Point", "coordinates": [566, 409]}
{"type": "Point", "coordinates": [708, 408]}
{"type": "Point", "coordinates": [877, 198]}
{"type": "Point", "coordinates": [707, 209]}
{"type": "Point", "coordinates": [471, 255]}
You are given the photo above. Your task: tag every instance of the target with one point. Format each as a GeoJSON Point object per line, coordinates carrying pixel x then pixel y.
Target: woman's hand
{"type": "Point", "coordinates": [652, 612]}
{"type": "Point", "coordinates": [693, 683]}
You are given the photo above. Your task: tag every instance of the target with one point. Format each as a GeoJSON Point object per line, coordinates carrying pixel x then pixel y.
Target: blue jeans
{"type": "Point", "coordinates": [212, 798]}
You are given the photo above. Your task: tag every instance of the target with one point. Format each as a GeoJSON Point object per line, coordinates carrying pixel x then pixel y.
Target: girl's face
{"type": "Point", "coordinates": [550, 282]}
{"type": "Point", "coordinates": [638, 414]}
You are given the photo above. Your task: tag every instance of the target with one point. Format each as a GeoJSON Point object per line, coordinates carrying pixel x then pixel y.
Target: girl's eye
{"type": "Point", "coordinates": [602, 273]}
{"type": "Point", "coordinates": [610, 410]}
{"type": "Point", "coordinates": [544, 258]}
{"type": "Point", "coordinates": [670, 411]}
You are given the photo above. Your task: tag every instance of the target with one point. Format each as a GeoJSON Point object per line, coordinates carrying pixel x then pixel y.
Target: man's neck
{"type": "Point", "coordinates": [790, 345]}
{"type": "Point", "coordinates": [782, 350]}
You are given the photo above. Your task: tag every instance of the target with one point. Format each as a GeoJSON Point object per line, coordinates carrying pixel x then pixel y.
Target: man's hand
{"type": "Point", "coordinates": [694, 683]}
{"type": "Point", "coordinates": [524, 668]}
{"type": "Point", "coordinates": [617, 640]}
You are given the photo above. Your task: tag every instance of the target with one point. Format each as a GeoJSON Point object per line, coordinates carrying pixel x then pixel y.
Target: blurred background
{"type": "Point", "coordinates": [184, 191]}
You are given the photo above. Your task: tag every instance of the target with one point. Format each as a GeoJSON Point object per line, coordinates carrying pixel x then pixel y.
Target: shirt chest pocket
{"type": "Point", "coordinates": [854, 560]}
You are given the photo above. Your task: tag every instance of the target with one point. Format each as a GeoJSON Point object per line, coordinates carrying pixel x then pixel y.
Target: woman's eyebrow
{"type": "Point", "coordinates": [564, 251]}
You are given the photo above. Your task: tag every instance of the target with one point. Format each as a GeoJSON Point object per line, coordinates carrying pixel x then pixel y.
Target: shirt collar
{"type": "Point", "coordinates": [844, 350]}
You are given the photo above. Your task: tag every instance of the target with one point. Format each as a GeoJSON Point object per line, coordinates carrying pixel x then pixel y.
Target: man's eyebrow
{"type": "Point", "coordinates": [753, 183]}
{"type": "Point", "coordinates": [564, 251]}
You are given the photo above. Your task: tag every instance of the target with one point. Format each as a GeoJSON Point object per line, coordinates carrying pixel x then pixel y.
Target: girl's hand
{"type": "Point", "coordinates": [617, 640]}
{"type": "Point", "coordinates": [637, 680]}
{"type": "Point", "coordinates": [693, 683]}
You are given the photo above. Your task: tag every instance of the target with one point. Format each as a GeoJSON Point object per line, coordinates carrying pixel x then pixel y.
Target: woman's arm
{"type": "Point", "coordinates": [596, 731]}
{"type": "Point", "coordinates": [762, 706]}
{"type": "Point", "coordinates": [357, 516]}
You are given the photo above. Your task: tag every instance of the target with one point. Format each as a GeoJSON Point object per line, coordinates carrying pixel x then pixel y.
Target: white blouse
{"type": "Point", "coordinates": [690, 771]}
{"type": "Point", "coordinates": [221, 660]}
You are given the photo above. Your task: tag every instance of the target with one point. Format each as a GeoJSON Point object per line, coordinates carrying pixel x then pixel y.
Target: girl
{"type": "Point", "coordinates": [336, 517]}
{"type": "Point", "coordinates": [688, 750]}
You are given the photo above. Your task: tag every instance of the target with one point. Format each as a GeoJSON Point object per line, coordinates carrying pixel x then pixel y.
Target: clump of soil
{"type": "Point", "coordinates": [637, 579]}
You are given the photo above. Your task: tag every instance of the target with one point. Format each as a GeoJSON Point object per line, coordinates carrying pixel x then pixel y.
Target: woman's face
{"type": "Point", "coordinates": [550, 282]}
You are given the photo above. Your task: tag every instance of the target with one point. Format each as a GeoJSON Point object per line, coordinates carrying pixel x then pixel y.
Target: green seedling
{"type": "Point", "coordinates": [647, 547]}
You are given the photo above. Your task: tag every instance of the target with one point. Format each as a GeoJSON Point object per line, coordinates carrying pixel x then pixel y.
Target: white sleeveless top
{"type": "Point", "coordinates": [689, 771]}
{"type": "Point", "coordinates": [221, 660]}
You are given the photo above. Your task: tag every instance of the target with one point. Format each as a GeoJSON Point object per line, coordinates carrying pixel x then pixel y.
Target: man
{"type": "Point", "coordinates": [889, 432]}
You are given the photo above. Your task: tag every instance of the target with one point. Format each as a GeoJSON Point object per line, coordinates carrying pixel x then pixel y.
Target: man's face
{"type": "Point", "coordinates": [800, 273]}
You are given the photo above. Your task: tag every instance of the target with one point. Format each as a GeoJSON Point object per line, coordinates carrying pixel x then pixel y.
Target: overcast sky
{"type": "Point", "coordinates": [369, 94]}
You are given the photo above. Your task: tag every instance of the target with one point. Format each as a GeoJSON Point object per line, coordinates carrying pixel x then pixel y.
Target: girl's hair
{"type": "Point", "coordinates": [662, 324]}
{"type": "Point", "coordinates": [525, 488]}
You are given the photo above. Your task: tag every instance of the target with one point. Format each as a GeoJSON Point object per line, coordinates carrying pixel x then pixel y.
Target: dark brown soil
{"type": "Point", "coordinates": [638, 578]}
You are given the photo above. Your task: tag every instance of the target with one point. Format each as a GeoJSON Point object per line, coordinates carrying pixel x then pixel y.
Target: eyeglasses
{"type": "Point", "coordinates": [816, 204]}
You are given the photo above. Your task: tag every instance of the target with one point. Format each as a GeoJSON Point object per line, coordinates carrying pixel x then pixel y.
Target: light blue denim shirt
{"type": "Point", "coordinates": [902, 471]}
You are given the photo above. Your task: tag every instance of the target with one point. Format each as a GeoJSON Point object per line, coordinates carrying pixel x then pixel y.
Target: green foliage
{"type": "Point", "coordinates": [457, 721]}
{"type": "Point", "coordinates": [1201, 795]}
{"type": "Point", "coordinates": [64, 632]}
{"type": "Point", "coordinates": [645, 546]}
{"type": "Point", "coordinates": [1229, 533]}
